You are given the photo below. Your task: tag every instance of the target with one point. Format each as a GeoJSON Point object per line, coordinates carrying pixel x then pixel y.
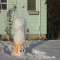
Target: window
{"type": "Point", "coordinates": [32, 6]}
{"type": "Point", "coordinates": [3, 4]}
{"type": "Point", "coordinates": [4, 1]}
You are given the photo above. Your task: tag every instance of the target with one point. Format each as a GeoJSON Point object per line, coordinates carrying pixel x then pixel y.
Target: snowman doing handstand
{"type": "Point", "coordinates": [19, 36]}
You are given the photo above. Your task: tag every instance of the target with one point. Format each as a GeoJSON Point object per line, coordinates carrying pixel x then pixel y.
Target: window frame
{"type": "Point", "coordinates": [4, 3]}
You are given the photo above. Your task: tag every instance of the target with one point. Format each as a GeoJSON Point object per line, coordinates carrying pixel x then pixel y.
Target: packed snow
{"type": "Point", "coordinates": [35, 50]}
{"type": "Point", "coordinates": [19, 25]}
{"type": "Point", "coordinates": [19, 36]}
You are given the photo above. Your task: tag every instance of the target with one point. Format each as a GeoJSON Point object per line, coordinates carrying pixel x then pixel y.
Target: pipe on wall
{"type": "Point", "coordinates": [39, 19]}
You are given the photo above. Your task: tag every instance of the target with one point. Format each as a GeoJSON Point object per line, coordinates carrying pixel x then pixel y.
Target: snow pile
{"type": "Point", "coordinates": [42, 55]}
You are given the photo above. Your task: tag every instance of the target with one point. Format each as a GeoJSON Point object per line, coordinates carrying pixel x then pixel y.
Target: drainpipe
{"type": "Point", "coordinates": [39, 19]}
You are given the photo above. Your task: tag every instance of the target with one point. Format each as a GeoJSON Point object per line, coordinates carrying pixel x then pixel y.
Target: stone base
{"type": "Point", "coordinates": [28, 37]}
{"type": "Point", "coordinates": [35, 36]}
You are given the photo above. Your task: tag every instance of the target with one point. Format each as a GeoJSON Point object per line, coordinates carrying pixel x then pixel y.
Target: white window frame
{"type": "Point", "coordinates": [4, 3]}
{"type": "Point", "coordinates": [34, 11]}
{"type": "Point", "coordinates": [37, 4]}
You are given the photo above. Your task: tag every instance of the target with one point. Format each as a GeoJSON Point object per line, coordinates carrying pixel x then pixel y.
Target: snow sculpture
{"type": "Point", "coordinates": [19, 37]}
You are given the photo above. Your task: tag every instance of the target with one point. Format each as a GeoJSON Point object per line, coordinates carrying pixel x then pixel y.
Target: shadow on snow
{"type": "Point", "coordinates": [33, 45]}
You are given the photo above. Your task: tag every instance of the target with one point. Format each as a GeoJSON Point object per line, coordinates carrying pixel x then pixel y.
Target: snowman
{"type": "Point", "coordinates": [19, 36]}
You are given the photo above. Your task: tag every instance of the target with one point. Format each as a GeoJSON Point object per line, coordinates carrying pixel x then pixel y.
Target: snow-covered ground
{"type": "Point", "coordinates": [35, 50]}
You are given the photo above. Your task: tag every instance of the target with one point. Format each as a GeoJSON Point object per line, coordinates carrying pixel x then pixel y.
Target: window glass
{"type": "Point", "coordinates": [3, 1]}
{"type": "Point", "coordinates": [0, 6]}
{"type": "Point", "coordinates": [31, 4]}
{"type": "Point", "coordinates": [4, 6]}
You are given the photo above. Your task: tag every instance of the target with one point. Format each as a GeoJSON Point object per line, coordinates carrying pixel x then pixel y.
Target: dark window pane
{"type": "Point", "coordinates": [4, 6]}
{"type": "Point", "coordinates": [0, 6]}
{"type": "Point", "coordinates": [3, 0]}
{"type": "Point", "coordinates": [31, 4]}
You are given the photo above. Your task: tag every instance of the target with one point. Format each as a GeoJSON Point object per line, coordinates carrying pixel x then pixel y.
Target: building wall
{"type": "Point", "coordinates": [35, 23]}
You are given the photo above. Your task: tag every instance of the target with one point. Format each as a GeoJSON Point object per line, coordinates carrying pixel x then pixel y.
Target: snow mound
{"type": "Point", "coordinates": [42, 55]}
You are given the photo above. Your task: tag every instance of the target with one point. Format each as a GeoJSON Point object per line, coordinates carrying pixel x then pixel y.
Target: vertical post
{"type": "Point", "coordinates": [39, 19]}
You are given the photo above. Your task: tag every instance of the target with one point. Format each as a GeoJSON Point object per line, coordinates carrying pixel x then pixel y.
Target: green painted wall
{"type": "Point", "coordinates": [33, 21]}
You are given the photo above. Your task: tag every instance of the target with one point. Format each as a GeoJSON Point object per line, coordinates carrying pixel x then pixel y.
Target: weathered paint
{"type": "Point", "coordinates": [33, 21]}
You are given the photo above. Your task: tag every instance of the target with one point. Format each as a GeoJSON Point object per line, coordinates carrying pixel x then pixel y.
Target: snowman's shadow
{"type": "Point", "coordinates": [33, 45]}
